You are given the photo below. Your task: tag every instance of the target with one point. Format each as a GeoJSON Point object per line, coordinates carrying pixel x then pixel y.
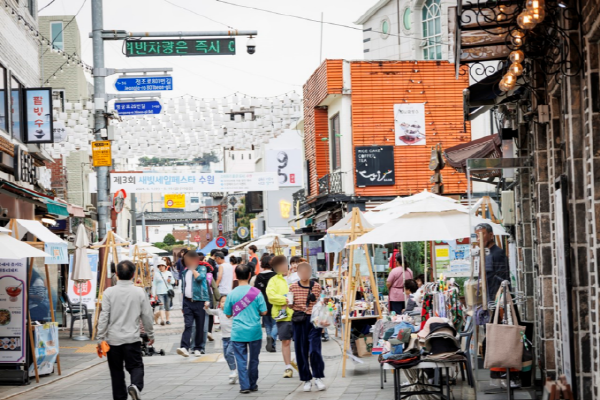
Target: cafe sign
{"type": "Point", "coordinates": [37, 106]}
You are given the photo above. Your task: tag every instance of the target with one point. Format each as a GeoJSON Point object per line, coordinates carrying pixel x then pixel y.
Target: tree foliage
{"type": "Point", "coordinates": [169, 239]}
{"type": "Point", "coordinates": [204, 159]}
{"type": "Point", "coordinates": [243, 219]}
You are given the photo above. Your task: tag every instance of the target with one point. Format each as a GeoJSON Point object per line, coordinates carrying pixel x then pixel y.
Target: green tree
{"type": "Point", "coordinates": [206, 159]}
{"type": "Point", "coordinates": [242, 219]}
{"type": "Point", "coordinates": [169, 239]}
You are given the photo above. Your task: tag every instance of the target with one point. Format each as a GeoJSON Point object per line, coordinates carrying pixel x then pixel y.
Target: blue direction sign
{"type": "Point", "coordinates": [144, 83]}
{"type": "Point", "coordinates": [138, 107]}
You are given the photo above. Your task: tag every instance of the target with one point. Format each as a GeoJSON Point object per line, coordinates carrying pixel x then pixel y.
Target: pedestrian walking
{"type": "Point", "coordinates": [162, 288]}
{"type": "Point", "coordinates": [225, 275]}
{"type": "Point", "coordinates": [307, 338]}
{"type": "Point", "coordinates": [277, 294]}
{"type": "Point", "coordinates": [260, 282]}
{"type": "Point", "coordinates": [195, 294]}
{"type": "Point", "coordinates": [234, 261]}
{"type": "Point", "coordinates": [253, 258]}
{"type": "Point", "coordinates": [228, 352]}
{"type": "Point", "coordinates": [124, 306]}
{"type": "Point", "coordinates": [395, 284]}
{"type": "Point", "coordinates": [245, 304]}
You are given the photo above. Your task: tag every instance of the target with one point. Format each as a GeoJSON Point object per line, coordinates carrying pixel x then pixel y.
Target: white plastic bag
{"type": "Point", "coordinates": [322, 317]}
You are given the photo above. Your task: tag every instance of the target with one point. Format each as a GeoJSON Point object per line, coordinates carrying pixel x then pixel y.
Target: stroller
{"type": "Point", "coordinates": [147, 350]}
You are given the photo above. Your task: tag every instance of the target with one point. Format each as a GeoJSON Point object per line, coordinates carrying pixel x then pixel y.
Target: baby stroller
{"type": "Point", "coordinates": [146, 349]}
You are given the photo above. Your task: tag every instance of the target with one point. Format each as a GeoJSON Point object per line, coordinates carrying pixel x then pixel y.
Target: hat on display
{"type": "Point", "coordinates": [425, 331]}
{"type": "Point", "coordinates": [441, 326]}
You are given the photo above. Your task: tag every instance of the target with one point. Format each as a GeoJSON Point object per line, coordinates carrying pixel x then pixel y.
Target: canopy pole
{"type": "Point", "coordinates": [425, 266]}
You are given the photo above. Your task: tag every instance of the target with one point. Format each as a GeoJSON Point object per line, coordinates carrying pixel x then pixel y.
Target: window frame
{"type": "Point", "coordinates": [387, 21]}
{"type": "Point", "coordinates": [5, 89]}
{"type": "Point", "coordinates": [431, 13]}
{"type": "Point", "coordinates": [335, 143]}
{"type": "Point", "coordinates": [19, 88]}
{"type": "Point", "coordinates": [55, 44]}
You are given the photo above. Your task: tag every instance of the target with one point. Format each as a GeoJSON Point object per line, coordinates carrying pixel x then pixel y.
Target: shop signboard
{"type": "Point", "coordinates": [452, 258]}
{"type": "Point", "coordinates": [101, 153]}
{"type": "Point", "coordinates": [180, 47]}
{"type": "Point", "coordinates": [374, 165]}
{"type": "Point", "coordinates": [409, 123]}
{"type": "Point", "coordinates": [279, 207]}
{"type": "Point", "coordinates": [288, 165]}
{"type": "Point", "coordinates": [45, 345]}
{"type": "Point", "coordinates": [174, 201]}
{"type": "Point", "coordinates": [87, 289]}
{"type": "Point", "coordinates": [193, 182]}
{"type": "Point", "coordinates": [13, 276]}
{"type": "Point", "coordinates": [37, 104]}
{"type": "Point", "coordinates": [243, 232]}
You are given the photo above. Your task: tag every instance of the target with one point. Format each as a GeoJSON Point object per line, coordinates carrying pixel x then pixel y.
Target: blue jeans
{"type": "Point", "coordinates": [246, 357]}
{"type": "Point", "coordinates": [228, 353]}
{"type": "Point", "coordinates": [270, 326]}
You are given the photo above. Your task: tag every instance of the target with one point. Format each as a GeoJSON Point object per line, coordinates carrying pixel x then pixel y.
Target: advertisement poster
{"type": "Point", "coordinates": [409, 124]}
{"type": "Point", "coordinates": [45, 339]}
{"type": "Point", "coordinates": [193, 183]}
{"type": "Point", "coordinates": [374, 165]}
{"type": "Point", "coordinates": [58, 251]}
{"type": "Point", "coordinates": [174, 201]}
{"type": "Point", "coordinates": [13, 275]}
{"type": "Point", "coordinates": [288, 165]}
{"type": "Point", "coordinates": [38, 115]}
{"type": "Point", "coordinates": [452, 259]}
{"type": "Point", "coordinates": [88, 289]}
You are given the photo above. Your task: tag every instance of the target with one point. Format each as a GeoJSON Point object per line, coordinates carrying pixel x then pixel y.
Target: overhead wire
{"type": "Point", "coordinates": [65, 27]}
{"type": "Point", "coordinates": [46, 6]}
{"type": "Point", "coordinates": [200, 15]}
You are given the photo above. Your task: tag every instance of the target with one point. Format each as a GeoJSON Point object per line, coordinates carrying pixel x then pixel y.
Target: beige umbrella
{"type": "Point", "coordinates": [82, 272]}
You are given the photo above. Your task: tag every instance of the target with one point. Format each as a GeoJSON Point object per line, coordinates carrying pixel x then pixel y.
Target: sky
{"type": "Point", "coordinates": [287, 52]}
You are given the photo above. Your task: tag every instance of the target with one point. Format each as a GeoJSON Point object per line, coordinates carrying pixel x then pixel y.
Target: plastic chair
{"type": "Point", "coordinates": [74, 309]}
{"type": "Point", "coordinates": [467, 334]}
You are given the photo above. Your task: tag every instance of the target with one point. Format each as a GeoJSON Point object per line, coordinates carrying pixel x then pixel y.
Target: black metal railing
{"type": "Point", "coordinates": [331, 184]}
{"type": "Point", "coordinates": [300, 200]}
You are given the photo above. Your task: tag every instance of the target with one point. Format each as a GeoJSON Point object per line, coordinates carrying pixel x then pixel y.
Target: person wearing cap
{"type": "Point", "coordinates": [497, 269]}
{"type": "Point", "coordinates": [161, 284]}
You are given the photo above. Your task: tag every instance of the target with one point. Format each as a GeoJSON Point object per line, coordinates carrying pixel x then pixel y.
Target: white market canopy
{"type": "Point", "coordinates": [426, 226]}
{"type": "Point", "coordinates": [344, 226]}
{"type": "Point", "coordinates": [268, 239]}
{"type": "Point", "coordinates": [37, 229]}
{"type": "Point", "coordinates": [13, 249]}
{"type": "Point", "coordinates": [148, 248]}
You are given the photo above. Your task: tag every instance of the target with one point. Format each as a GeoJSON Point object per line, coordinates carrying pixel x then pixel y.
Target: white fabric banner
{"type": "Point", "coordinates": [88, 289]}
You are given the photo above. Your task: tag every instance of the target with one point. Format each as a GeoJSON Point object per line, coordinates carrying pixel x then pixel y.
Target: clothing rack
{"type": "Point", "coordinates": [518, 298]}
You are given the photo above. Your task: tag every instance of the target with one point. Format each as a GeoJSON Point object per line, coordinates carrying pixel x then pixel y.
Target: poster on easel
{"type": "Point", "coordinates": [13, 277]}
{"type": "Point", "coordinates": [46, 348]}
{"type": "Point", "coordinates": [86, 289]}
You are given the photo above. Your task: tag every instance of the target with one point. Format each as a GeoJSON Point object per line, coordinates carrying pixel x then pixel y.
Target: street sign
{"type": "Point", "coordinates": [138, 107]}
{"type": "Point", "coordinates": [101, 154]}
{"type": "Point", "coordinates": [220, 227]}
{"type": "Point", "coordinates": [197, 239]}
{"type": "Point", "coordinates": [243, 232]}
{"type": "Point", "coordinates": [180, 47]}
{"type": "Point", "coordinates": [174, 201]}
{"type": "Point", "coordinates": [126, 83]}
{"type": "Point", "coordinates": [221, 242]}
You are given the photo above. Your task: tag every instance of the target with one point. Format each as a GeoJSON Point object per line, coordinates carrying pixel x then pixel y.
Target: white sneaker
{"type": "Point", "coordinates": [198, 353]}
{"type": "Point", "coordinates": [320, 384]}
{"type": "Point", "coordinates": [134, 392]}
{"type": "Point", "coordinates": [183, 352]}
{"type": "Point", "coordinates": [233, 377]}
{"type": "Point", "coordinates": [307, 386]}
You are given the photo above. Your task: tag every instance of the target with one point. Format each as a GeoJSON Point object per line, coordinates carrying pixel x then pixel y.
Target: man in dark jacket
{"type": "Point", "coordinates": [497, 269]}
{"type": "Point", "coordinates": [260, 282]}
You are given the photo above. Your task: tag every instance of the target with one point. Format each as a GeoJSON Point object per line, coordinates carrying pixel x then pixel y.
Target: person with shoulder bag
{"type": "Point", "coordinates": [303, 296]}
{"type": "Point", "coordinates": [162, 288]}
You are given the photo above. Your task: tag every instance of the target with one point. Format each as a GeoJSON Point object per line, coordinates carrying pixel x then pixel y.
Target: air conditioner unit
{"type": "Point", "coordinates": [508, 207]}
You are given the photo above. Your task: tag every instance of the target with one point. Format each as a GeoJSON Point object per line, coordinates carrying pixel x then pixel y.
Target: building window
{"type": "Point", "coordinates": [432, 30]}
{"type": "Point", "coordinates": [15, 108]}
{"type": "Point", "coordinates": [3, 100]}
{"type": "Point", "coordinates": [56, 33]}
{"type": "Point", "coordinates": [59, 94]}
{"type": "Point", "coordinates": [334, 140]}
{"type": "Point", "coordinates": [385, 28]}
{"type": "Point", "coordinates": [407, 18]}
{"type": "Point", "coordinates": [195, 200]}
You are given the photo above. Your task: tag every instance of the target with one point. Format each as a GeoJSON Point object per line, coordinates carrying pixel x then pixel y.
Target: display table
{"type": "Point", "coordinates": [403, 392]}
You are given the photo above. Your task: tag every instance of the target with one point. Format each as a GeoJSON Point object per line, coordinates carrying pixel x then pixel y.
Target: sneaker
{"type": "Point", "coordinates": [210, 337]}
{"type": "Point", "coordinates": [168, 322]}
{"type": "Point", "coordinates": [270, 347]}
{"type": "Point", "coordinates": [293, 364]}
{"type": "Point", "coordinates": [233, 377]}
{"type": "Point", "coordinates": [183, 352]}
{"type": "Point", "coordinates": [282, 315]}
{"type": "Point", "coordinates": [202, 351]}
{"type": "Point", "coordinates": [320, 385]}
{"type": "Point", "coordinates": [198, 353]}
{"type": "Point", "coordinates": [134, 392]}
{"type": "Point", "coordinates": [288, 373]}
{"type": "Point", "coordinates": [162, 323]}
{"type": "Point", "coordinates": [254, 389]}
{"type": "Point", "coordinates": [307, 386]}
{"type": "Point", "coordinates": [245, 391]}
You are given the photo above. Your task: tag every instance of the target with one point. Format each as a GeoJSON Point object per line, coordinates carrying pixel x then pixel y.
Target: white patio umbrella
{"type": "Point", "coordinates": [424, 226]}
{"type": "Point", "coordinates": [82, 272]}
{"type": "Point", "coordinates": [13, 249]}
{"type": "Point", "coordinates": [267, 240]}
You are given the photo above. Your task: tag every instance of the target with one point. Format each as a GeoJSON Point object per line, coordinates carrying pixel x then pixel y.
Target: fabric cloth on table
{"type": "Point", "coordinates": [381, 327]}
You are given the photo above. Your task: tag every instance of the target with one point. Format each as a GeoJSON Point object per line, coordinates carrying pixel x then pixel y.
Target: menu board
{"type": "Point", "coordinates": [374, 165]}
{"type": "Point", "coordinates": [45, 338]}
{"type": "Point", "coordinates": [13, 275]}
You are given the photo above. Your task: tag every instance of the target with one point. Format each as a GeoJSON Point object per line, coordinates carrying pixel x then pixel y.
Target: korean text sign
{"type": "Point", "coordinates": [86, 289]}
{"type": "Point", "coordinates": [38, 115]}
{"type": "Point", "coordinates": [180, 47]}
{"type": "Point", "coordinates": [13, 275]}
{"type": "Point", "coordinates": [193, 183]}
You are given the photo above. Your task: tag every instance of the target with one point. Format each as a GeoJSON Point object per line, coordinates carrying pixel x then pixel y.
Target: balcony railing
{"type": "Point", "coordinates": [331, 184]}
{"type": "Point", "coordinates": [300, 197]}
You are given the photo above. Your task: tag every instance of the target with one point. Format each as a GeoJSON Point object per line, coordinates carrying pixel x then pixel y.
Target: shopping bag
{"type": "Point", "coordinates": [504, 343]}
{"type": "Point", "coordinates": [322, 317]}
{"type": "Point", "coordinates": [362, 348]}
{"type": "Point", "coordinates": [473, 292]}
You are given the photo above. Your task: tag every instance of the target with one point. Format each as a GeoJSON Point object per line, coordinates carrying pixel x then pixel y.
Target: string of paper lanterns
{"type": "Point", "coordinates": [533, 14]}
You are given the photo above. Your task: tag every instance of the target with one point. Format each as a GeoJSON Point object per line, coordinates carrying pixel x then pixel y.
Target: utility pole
{"type": "Point", "coordinates": [99, 114]}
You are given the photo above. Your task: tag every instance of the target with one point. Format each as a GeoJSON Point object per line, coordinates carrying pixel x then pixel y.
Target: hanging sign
{"type": "Point", "coordinates": [243, 232]}
{"type": "Point", "coordinates": [193, 183]}
{"type": "Point", "coordinates": [174, 200]}
{"type": "Point", "coordinates": [374, 165]}
{"type": "Point", "coordinates": [60, 132]}
{"type": "Point", "coordinates": [58, 251]}
{"type": "Point", "coordinates": [87, 290]}
{"type": "Point", "coordinates": [146, 107]}
{"type": "Point", "coordinates": [180, 47]}
{"type": "Point", "coordinates": [288, 165]}
{"type": "Point", "coordinates": [101, 153]}
{"type": "Point", "coordinates": [409, 124]}
{"type": "Point", "coordinates": [127, 83]}
{"type": "Point", "coordinates": [13, 276]}
{"type": "Point", "coordinates": [38, 115]}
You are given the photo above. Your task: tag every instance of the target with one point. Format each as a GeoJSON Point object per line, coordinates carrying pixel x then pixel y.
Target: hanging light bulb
{"type": "Point", "coordinates": [508, 82]}
{"type": "Point", "coordinates": [517, 38]}
{"type": "Point", "coordinates": [516, 68]}
{"type": "Point", "coordinates": [517, 56]}
{"type": "Point", "coordinates": [525, 20]}
{"type": "Point", "coordinates": [538, 15]}
{"type": "Point", "coordinates": [534, 4]}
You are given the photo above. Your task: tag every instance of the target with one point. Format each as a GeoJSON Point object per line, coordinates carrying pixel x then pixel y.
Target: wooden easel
{"type": "Point", "coordinates": [276, 247]}
{"type": "Point", "coordinates": [142, 276]}
{"type": "Point", "coordinates": [356, 229]}
{"type": "Point", "coordinates": [109, 243]}
{"type": "Point", "coordinates": [14, 227]}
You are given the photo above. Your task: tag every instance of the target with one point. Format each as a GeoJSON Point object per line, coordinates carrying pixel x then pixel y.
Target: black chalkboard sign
{"type": "Point", "coordinates": [374, 165]}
